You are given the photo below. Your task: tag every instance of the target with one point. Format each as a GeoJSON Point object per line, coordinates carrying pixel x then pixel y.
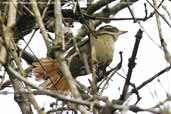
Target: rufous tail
{"type": "Point", "coordinates": [46, 69]}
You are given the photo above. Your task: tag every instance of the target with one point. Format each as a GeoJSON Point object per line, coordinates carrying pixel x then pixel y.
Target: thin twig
{"type": "Point", "coordinates": [163, 43]}
{"type": "Point", "coordinates": [154, 7]}
{"type": "Point", "coordinates": [132, 14]}
{"type": "Point", "coordinates": [45, 9]}
{"type": "Point", "coordinates": [168, 13]}
{"type": "Point", "coordinates": [150, 79]}
{"type": "Point", "coordinates": [148, 35]}
{"type": "Point", "coordinates": [40, 22]}
{"type": "Point", "coordinates": [27, 44]}
{"type": "Point", "coordinates": [139, 23]}
{"type": "Point", "coordinates": [111, 72]}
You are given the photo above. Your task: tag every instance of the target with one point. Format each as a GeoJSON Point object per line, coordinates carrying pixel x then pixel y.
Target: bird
{"type": "Point", "coordinates": [47, 69]}
{"type": "Point", "coordinates": [105, 39]}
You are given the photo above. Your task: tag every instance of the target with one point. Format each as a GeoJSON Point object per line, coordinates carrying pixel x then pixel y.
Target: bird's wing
{"type": "Point", "coordinates": [46, 69]}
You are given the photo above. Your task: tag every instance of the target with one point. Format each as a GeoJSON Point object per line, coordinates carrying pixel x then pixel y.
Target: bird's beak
{"type": "Point", "coordinates": [122, 32]}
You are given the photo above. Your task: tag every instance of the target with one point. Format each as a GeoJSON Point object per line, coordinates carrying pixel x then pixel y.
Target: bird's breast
{"type": "Point", "coordinates": [104, 49]}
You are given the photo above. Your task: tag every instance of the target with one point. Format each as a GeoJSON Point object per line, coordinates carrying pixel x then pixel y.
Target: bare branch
{"type": "Point", "coordinates": [151, 79]}
{"type": "Point", "coordinates": [59, 37]}
{"type": "Point", "coordinates": [154, 7]}
{"type": "Point", "coordinates": [8, 39]}
{"type": "Point", "coordinates": [131, 65]}
{"type": "Point", "coordinates": [163, 43]}
{"type": "Point", "coordinates": [40, 22]}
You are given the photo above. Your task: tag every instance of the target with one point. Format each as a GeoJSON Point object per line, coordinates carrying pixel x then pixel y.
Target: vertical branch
{"type": "Point", "coordinates": [93, 65]}
{"type": "Point", "coordinates": [60, 56]}
{"type": "Point", "coordinates": [58, 41]}
{"type": "Point", "coordinates": [93, 61]}
{"type": "Point", "coordinates": [21, 98]}
{"type": "Point", "coordinates": [59, 35]}
{"type": "Point", "coordinates": [90, 25]}
{"type": "Point", "coordinates": [40, 22]}
{"type": "Point", "coordinates": [131, 66]}
{"type": "Point", "coordinates": [163, 43]}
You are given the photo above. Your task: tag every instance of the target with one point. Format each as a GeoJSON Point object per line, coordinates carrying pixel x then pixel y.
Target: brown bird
{"type": "Point", "coordinates": [48, 70]}
{"type": "Point", "coordinates": [104, 46]}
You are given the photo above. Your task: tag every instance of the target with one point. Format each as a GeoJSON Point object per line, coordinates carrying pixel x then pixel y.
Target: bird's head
{"type": "Point", "coordinates": [111, 30]}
